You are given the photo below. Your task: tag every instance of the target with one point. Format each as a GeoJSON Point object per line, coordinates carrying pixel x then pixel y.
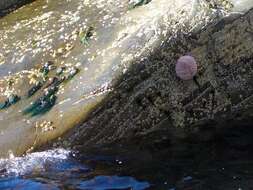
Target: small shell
{"type": "Point", "coordinates": [186, 67]}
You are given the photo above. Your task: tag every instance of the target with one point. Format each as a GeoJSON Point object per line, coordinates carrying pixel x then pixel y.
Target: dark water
{"type": "Point", "coordinates": [223, 163]}
{"type": "Point", "coordinates": [58, 169]}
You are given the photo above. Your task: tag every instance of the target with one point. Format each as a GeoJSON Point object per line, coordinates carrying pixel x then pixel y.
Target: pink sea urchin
{"type": "Point", "coordinates": [186, 67]}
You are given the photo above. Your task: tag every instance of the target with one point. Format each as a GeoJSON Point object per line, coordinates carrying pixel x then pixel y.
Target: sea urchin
{"type": "Point", "coordinates": [186, 67]}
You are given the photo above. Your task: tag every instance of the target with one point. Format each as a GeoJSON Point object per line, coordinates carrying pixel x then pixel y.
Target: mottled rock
{"type": "Point", "coordinates": [7, 3]}
{"type": "Point", "coordinates": [160, 103]}
{"type": "Point", "coordinates": [123, 83]}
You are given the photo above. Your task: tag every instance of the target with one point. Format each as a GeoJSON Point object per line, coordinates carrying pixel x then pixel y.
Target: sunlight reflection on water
{"type": "Point", "coordinates": [57, 169]}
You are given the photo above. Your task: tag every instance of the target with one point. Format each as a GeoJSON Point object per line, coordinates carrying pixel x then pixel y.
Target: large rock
{"type": "Point", "coordinates": [5, 4]}
{"type": "Point", "coordinates": [111, 65]}
{"type": "Point", "coordinates": [150, 105]}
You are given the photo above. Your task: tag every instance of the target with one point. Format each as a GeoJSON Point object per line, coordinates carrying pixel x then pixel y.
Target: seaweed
{"type": "Point", "coordinates": [34, 89]}
{"type": "Point", "coordinates": [46, 68]}
{"type": "Point", "coordinates": [54, 82]}
{"type": "Point", "coordinates": [44, 103]}
{"type": "Point", "coordinates": [12, 99]}
{"type": "Point", "coordinates": [3, 105]}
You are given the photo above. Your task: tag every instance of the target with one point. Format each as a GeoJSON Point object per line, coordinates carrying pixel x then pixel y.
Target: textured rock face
{"type": "Point", "coordinates": [61, 60]}
{"type": "Point", "coordinates": [7, 3]}
{"type": "Point", "coordinates": [151, 100]}
{"type": "Point", "coordinates": [8, 6]}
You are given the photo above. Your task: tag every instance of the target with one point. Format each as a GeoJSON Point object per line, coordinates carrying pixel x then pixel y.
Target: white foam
{"type": "Point", "coordinates": [32, 162]}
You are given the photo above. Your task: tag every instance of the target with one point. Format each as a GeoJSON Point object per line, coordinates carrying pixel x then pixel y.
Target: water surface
{"type": "Point", "coordinates": [224, 164]}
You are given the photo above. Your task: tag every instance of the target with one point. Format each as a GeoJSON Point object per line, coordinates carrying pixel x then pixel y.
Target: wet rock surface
{"type": "Point", "coordinates": [107, 69]}
{"type": "Point", "coordinates": [150, 104]}
{"type": "Point", "coordinates": [7, 3]}
{"type": "Point", "coordinates": [6, 6]}
{"type": "Point", "coordinates": [62, 58]}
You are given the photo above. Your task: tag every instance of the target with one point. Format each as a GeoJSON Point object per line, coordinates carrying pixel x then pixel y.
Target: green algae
{"type": "Point", "coordinates": [48, 99]}
{"type": "Point", "coordinates": [46, 68]}
{"type": "Point", "coordinates": [86, 35]}
{"type": "Point", "coordinates": [11, 100]}
{"type": "Point", "coordinates": [34, 89]}
{"type": "Point", "coordinates": [3, 105]}
{"type": "Point", "coordinates": [44, 103]}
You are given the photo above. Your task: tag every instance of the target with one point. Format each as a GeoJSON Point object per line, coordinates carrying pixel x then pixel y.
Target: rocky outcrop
{"type": "Point", "coordinates": [6, 3]}
{"type": "Point", "coordinates": [61, 59]}
{"type": "Point", "coordinates": [6, 6]}
{"type": "Point", "coordinates": [107, 69]}
{"type": "Point", "coordinates": [149, 104]}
